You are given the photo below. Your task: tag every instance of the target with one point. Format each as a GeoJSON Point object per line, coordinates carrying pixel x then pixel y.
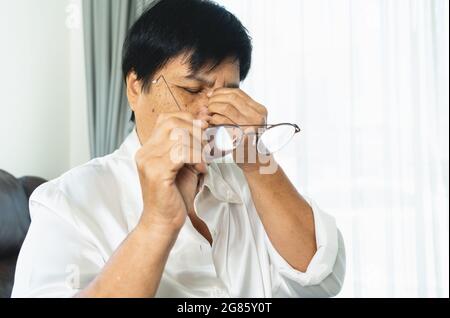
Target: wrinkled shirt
{"type": "Point", "coordinates": [81, 218]}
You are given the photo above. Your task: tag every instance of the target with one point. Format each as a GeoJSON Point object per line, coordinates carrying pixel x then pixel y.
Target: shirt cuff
{"type": "Point", "coordinates": [323, 260]}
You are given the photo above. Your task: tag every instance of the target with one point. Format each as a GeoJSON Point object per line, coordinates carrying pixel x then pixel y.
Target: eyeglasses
{"type": "Point", "coordinates": [156, 81]}
{"type": "Point", "coordinates": [224, 139]}
{"type": "Point", "coordinates": [268, 139]}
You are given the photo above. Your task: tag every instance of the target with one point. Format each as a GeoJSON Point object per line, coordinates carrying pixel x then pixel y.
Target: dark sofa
{"type": "Point", "coordinates": [14, 223]}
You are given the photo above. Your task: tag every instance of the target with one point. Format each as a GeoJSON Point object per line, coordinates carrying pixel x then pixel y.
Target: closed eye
{"type": "Point", "coordinates": [192, 90]}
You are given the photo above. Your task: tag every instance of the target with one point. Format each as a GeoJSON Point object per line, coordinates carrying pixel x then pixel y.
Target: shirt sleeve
{"type": "Point", "coordinates": [55, 260]}
{"type": "Point", "coordinates": [325, 274]}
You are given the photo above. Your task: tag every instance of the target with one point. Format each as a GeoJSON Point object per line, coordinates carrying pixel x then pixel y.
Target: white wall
{"type": "Point", "coordinates": [79, 131]}
{"type": "Point", "coordinates": [42, 103]}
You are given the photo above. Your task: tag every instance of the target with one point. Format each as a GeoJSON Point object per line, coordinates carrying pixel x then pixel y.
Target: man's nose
{"type": "Point", "coordinates": [203, 100]}
{"type": "Point", "coordinates": [209, 91]}
{"type": "Point", "coordinates": [201, 105]}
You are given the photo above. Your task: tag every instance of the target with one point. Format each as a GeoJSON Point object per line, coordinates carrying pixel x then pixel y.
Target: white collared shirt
{"type": "Point", "coordinates": [80, 219]}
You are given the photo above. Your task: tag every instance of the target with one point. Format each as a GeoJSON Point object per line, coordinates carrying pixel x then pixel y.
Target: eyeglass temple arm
{"type": "Point", "coordinates": [168, 87]}
{"type": "Point", "coordinates": [297, 129]}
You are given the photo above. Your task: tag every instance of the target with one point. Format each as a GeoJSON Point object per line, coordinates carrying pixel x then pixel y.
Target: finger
{"type": "Point", "coordinates": [203, 114]}
{"type": "Point", "coordinates": [194, 140]}
{"type": "Point", "coordinates": [227, 110]}
{"type": "Point", "coordinates": [226, 90]}
{"type": "Point", "coordinates": [241, 95]}
{"type": "Point", "coordinates": [190, 170]}
{"type": "Point", "coordinates": [175, 125]}
{"type": "Point", "coordinates": [252, 113]}
{"type": "Point", "coordinates": [181, 155]}
{"type": "Point", "coordinates": [166, 122]}
{"type": "Point", "coordinates": [237, 102]}
{"type": "Point", "coordinates": [249, 116]}
{"type": "Point", "coordinates": [200, 168]}
{"type": "Point", "coordinates": [175, 130]}
{"type": "Point", "coordinates": [203, 111]}
{"type": "Point", "coordinates": [205, 117]}
{"type": "Point", "coordinates": [217, 119]}
{"type": "Point", "coordinates": [193, 170]}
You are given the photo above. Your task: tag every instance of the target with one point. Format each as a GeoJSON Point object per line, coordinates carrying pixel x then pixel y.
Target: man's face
{"type": "Point", "coordinates": [190, 91]}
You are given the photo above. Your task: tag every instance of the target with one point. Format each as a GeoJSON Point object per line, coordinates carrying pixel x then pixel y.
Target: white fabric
{"type": "Point", "coordinates": [80, 218]}
{"type": "Point", "coordinates": [367, 81]}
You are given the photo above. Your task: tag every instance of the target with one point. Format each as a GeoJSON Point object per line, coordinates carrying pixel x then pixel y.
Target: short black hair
{"type": "Point", "coordinates": [169, 28]}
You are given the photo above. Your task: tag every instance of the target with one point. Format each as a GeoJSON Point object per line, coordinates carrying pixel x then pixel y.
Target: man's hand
{"type": "Point", "coordinates": [234, 106]}
{"type": "Point", "coordinates": [160, 161]}
{"type": "Point", "coordinates": [136, 267]}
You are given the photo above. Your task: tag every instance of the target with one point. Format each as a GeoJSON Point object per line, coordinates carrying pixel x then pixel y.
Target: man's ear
{"type": "Point", "coordinates": [134, 89]}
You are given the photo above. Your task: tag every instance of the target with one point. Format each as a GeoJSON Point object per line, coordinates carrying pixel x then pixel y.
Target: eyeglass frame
{"type": "Point", "coordinates": [267, 126]}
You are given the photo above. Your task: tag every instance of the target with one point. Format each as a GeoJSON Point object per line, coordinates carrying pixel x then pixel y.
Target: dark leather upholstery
{"type": "Point", "coordinates": [14, 223]}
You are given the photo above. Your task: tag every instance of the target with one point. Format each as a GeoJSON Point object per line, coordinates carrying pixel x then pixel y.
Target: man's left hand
{"type": "Point", "coordinates": [234, 106]}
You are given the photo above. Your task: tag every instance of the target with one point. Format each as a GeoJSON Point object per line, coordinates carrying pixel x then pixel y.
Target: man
{"type": "Point", "coordinates": [145, 222]}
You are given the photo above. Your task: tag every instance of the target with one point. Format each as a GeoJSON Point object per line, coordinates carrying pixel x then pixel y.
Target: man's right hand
{"type": "Point", "coordinates": [159, 161]}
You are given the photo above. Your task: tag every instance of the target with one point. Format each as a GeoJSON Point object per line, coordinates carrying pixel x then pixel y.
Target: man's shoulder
{"type": "Point", "coordinates": [84, 185]}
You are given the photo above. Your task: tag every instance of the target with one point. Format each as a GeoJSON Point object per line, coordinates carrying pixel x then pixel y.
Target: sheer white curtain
{"type": "Point", "coordinates": [368, 83]}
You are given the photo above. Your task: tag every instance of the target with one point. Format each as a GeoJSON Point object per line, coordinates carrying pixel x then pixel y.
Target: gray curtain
{"type": "Point", "coordinates": [105, 24]}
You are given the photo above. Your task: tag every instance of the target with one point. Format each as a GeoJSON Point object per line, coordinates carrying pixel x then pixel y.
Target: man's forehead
{"type": "Point", "coordinates": [212, 81]}
{"type": "Point", "coordinates": [227, 71]}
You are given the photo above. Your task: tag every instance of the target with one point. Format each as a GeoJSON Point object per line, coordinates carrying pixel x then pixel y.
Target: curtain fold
{"type": "Point", "coordinates": [105, 25]}
{"type": "Point", "coordinates": [367, 81]}
{"type": "Point", "coordinates": [368, 84]}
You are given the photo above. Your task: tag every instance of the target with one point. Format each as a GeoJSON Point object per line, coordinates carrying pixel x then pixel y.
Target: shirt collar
{"type": "Point", "coordinates": [131, 145]}
{"type": "Point", "coordinates": [214, 179]}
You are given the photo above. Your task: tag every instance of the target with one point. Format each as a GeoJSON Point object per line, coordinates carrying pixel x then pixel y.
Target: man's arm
{"type": "Point", "coordinates": [136, 267]}
{"type": "Point", "coordinates": [286, 216]}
